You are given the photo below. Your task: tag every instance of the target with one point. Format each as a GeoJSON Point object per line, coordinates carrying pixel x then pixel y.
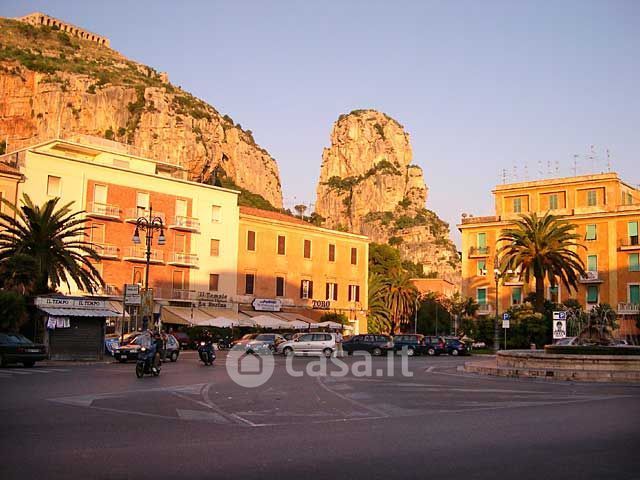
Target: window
{"type": "Point", "coordinates": [332, 252]}
{"type": "Point", "coordinates": [553, 201]}
{"type": "Point", "coordinates": [632, 230]}
{"type": "Point", "coordinates": [516, 295]}
{"type": "Point", "coordinates": [634, 262]}
{"type": "Point", "coordinates": [591, 232]}
{"type": "Point", "coordinates": [281, 244]}
{"type": "Point", "coordinates": [177, 280]}
{"type": "Point", "coordinates": [99, 195]}
{"type": "Point", "coordinates": [216, 213]}
{"type": "Point", "coordinates": [142, 202]}
{"type": "Point", "coordinates": [629, 199]}
{"type": "Point", "coordinates": [279, 286]}
{"type": "Point", "coordinates": [331, 291]}
{"type": "Point", "coordinates": [214, 278]}
{"type": "Point", "coordinates": [481, 294]}
{"type": "Point", "coordinates": [482, 241]}
{"type": "Point", "coordinates": [517, 205]}
{"type": "Point", "coordinates": [592, 263]}
{"type": "Point", "coordinates": [215, 247]}
{"type": "Point", "coordinates": [354, 293]}
{"type": "Point", "coordinates": [482, 268]}
{"type": "Point", "coordinates": [592, 198]}
{"type": "Point", "coordinates": [592, 294]}
{"type": "Point", "coordinates": [307, 249]}
{"type": "Point", "coordinates": [306, 289]}
{"type": "Point", "coordinates": [181, 209]}
{"type": "Point", "coordinates": [138, 275]}
{"type": "Point", "coordinates": [634, 294]}
{"type": "Point", "coordinates": [249, 282]}
{"type": "Point", "coordinates": [251, 241]}
{"type": "Point", "coordinates": [354, 256]}
{"type": "Point", "coordinates": [97, 233]}
{"type": "Point", "coordinates": [53, 186]}
{"type": "Point", "coordinates": [554, 294]}
{"type": "Point", "coordinates": [180, 243]}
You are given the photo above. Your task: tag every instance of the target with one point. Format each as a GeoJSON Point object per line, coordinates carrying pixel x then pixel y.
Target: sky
{"type": "Point", "coordinates": [488, 90]}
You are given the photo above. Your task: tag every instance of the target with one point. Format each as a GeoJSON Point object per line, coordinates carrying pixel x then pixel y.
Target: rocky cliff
{"type": "Point", "coordinates": [54, 85]}
{"type": "Point", "coordinates": [368, 185]}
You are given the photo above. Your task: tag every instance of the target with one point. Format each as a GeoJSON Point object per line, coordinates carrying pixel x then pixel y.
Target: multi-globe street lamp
{"type": "Point", "coordinates": [148, 225]}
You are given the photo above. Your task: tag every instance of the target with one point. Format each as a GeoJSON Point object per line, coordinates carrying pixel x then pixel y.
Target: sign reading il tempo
{"type": "Point", "coordinates": [267, 304]}
{"type": "Point", "coordinates": [70, 303]}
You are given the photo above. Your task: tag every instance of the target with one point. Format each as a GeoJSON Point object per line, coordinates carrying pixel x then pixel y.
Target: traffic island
{"type": "Point", "coordinates": [623, 367]}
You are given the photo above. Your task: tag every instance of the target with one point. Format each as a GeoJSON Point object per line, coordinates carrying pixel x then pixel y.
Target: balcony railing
{"type": "Point", "coordinates": [628, 309]}
{"type": "Point", "coordinates": [109, 290]}
{"type": "Point", "coordinates": [138, 254]}
{"type": "Point", "coordinates": [591, 277]}
{"type": "Point", "coordinates": [485, 309]}
{"type": "Point", "coordinates": [188, 224]}
{"type": "Point", "coordinates": [513, 280]}
{"type": "Point", "coordinates": [103, 210]}
{"type": "Point", "coordinates": [487, 219]}
{"type": "Point", "coordinates": [132, 214]}
{"type": "Point", "coordinates": [178, 294]}
{"type": "Point", "coordinates": [478, 251]}
{"type": "Point", "coordinates": [183, 259]}
{"type": "Point", "coordinates": [106, 250]}
{"type": "Point", "coordinates": [629, 243]}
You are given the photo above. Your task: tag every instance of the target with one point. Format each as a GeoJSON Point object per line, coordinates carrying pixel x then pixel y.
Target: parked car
{"type": "Point", "coordinates": [374, 344]}
{"type": "Point", "coordinates": [567, 341]}
{"type": "Point", "coordinates": [130, 348]}
{"type": "Point", "coordinates": [16, 348]}
{"type": "Point", "coordinates": [455, 347]}
{"type": "Point", "coordinates": [413, 343]}
{"type": "Point", "coordinates": [310, 344]}
{"type": "Point", "coordinates": [435, 345]}
{"type": "Point", "coordinates": [183, 339]}
{"type": "Point", "coordinates": [111, 342]}
{"type": "Point", "coordinates": [259, 341]}
{"type": "Point", "coordinates": [171, 348]}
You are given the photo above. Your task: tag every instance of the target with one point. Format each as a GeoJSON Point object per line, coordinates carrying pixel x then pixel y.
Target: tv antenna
{"type": "Point", "coordinates": [608, 161]}
{"type": "Point", "coordinates": [575, 164]}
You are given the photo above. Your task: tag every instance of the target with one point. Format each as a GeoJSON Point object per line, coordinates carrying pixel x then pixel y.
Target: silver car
{"type": "Point", "coordinates": [310, 344]}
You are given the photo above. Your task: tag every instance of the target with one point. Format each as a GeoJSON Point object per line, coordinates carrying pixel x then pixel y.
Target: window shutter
{"type": "Point", "coordinates": [482, 240]}
{"type": "Point", "coordinates": [634, 294]}
{"type": "Point", "coordinates": [301, 288]}
{"type": "Point", "coordinates": [349, 293]}
{"type": "Point", "coordinates": [327, 292]}
{"type": "Point", "coordinates": [335, 292]}
{"type": "Point", "coordinates": [357, 293]}
{"type": "Point", "coordinates": [310, 288]}
{"type": "Point", "coordinates": [634, 262]}
{"type": "Point", "coordinates": [632, 227]}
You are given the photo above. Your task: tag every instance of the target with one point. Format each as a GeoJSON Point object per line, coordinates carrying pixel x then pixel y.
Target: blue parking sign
{"type": "Point", "coordinates": [506, 316]}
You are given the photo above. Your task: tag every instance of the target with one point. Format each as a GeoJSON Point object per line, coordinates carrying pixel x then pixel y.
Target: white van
{"type": "Point", "coordinates": [310, 344]}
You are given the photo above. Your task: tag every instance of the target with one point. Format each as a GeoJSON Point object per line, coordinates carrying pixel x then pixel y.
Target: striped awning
{"type": "Point", "coordinates": [78, 312]}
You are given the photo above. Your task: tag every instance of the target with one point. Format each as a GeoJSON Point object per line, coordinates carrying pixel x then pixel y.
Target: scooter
{"type": "Point", "coordinates": [225, 343]}
{"type": "Point", "coordinates": [206, 352]}
{"type": "Point", "coordinates": [146, 364]}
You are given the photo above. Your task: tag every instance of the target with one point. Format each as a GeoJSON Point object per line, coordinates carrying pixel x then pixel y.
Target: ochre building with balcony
{"type": "Point", "coordinates": [606, 211]}
{"type": "Point", "coordinates": [310, 270]}
{"type": "Point", "coordinates": [198, 261]}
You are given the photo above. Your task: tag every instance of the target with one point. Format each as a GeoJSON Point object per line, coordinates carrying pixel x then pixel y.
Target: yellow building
{"type": "Point", "coordinates": [606, 211]}
{"type": "Point", "coordinates": [303, 268]}
{"type": "Point", "coordinates": [10, 178]}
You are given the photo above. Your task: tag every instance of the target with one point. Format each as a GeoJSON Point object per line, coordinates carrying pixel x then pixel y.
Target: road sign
{"type": "Point", "coordinates": [559, 329]}
{"type": "Point", "coordinates": [131, 289]}
{"type": "Point", "coordinates": [561, 315]}
{"type": "Point", "coordinates": [506, 316]}
{"type": "Point", "coordinates": [132, 300]}
{"type": "Point", "coordinates": [146, 305]}
{"type": "Point", "coordinates": [505, 323]}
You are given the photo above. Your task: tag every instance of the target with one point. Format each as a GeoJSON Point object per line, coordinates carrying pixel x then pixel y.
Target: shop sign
{"type": "Point", "coordinates": [71, 303]}
{"type": "Point", "coordinates": [321, 304]}
{"type": "Point", "coordinates": [267, 304]}
{"type": "Point", "coordinates": [215, 300]}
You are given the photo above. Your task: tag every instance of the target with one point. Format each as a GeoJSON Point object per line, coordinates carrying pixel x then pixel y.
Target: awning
{"type": "Point", "coordinates": [175, 315]}
{"type": "Point", "coordinates": [335, 325]}
{"type": "Point", "coordinates": [78, 312]}
{"type": "Point", "coordinates": [117, 307]}
{"type": "Point", "coordinates": [295, 320]}
{"type": "Point", "coordinates": [221, 313]}
{"type": "Point", "coordinates": [270, 321]}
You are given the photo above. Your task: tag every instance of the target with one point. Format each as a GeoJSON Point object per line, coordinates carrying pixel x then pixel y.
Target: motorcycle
{"type": "Point", "coordinates": [225, 343]}
{"type": "Point", "coordinates": [146, 364]}
{"type": "Point", "coordinates": [206, 353]}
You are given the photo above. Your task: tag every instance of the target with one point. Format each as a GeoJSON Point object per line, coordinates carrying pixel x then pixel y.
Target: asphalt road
{"type": "Point", "coordinates": [100, 421]}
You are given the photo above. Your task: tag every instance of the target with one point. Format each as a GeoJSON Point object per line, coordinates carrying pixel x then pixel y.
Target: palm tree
{"type": "Point", "coordinates": [54, 238]}
{"type": "Point", "coordinates": [401, 297]}
{"type": "Point", "coordinates": [542, 247]}
{"type": "Point", "coordinates": [18, 273]}
{"type": "Point", "coordinates": [378, 314]}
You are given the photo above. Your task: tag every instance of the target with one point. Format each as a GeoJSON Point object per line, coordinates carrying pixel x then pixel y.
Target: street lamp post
{"type": "Point", "coordinates": [497, 275]}
{"type": "Point", "coordinates": [148, 225]}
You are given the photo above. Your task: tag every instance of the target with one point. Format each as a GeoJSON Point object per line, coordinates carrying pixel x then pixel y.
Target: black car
{"type": "Point", "coordinates": [435, 345]}
{"type": "Point", "coordinates": [374, 344]}
{"type": "Point", "coordinates": [455, 347]}
{"type": "Point", "coordinates": [131, 345]}
{"type": "Point", "coordinates": [414, 343]}
{"type": "Point", "coordinates": [16, 348]}
{"type": "Point", "coordinates": [183, 339]}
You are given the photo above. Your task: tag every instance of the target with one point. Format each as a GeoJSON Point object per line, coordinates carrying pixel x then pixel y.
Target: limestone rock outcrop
{"type": "Point", "coordinates": [56, 86]}
{"type": "Point", "coordinates": [368, 185]}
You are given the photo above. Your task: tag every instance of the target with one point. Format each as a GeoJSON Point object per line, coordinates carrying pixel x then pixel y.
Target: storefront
{"type": "Point", "coordinates": [75, 326]}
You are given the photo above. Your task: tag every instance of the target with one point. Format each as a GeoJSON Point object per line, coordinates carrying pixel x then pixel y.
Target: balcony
{"type": "Point", "coordinates": [628, 309]}
{"type": "Point", "coordinates": [187, 224]}
{"type": "Point", "coordinates": [485, 309]}
{"type": "Point", "coordinates": [478, 252]}
{"type": "Point", "coordinates": [109, 290]}
{"type": "Point", "coordinates": [106, 250]}
{"type": "Point", "coordinates": [132, 214]}
{"type": "Point", "coordinates": [591, 277]}
{"type": "Point", "coordinates": [513, 281]}
{"type": "Point", "coordinates": [180, 259]}
{"type": "Point", "coordinates": [629, 243]}
{"type": "Point", "coordinates": [486, 219]}
{"type": "Point", "coordinates": [103, 210]}
{"type": "Point", "coordinates": [138, 254]}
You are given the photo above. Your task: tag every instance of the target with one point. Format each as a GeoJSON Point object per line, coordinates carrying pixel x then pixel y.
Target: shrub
{"type": "Point", "coordinates": [13, 310]}
{"type": "Point", "coordinates": [108, 134]}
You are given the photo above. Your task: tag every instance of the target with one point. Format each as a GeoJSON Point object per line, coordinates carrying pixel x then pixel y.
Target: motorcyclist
{"type": "Point", "coordinates": [159, 348]}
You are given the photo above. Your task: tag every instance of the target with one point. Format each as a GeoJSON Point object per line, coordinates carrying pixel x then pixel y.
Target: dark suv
{"type": "Point", "coordinates": [374, 344]}
{"type": "Point", "coordinates": [414, 343]}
